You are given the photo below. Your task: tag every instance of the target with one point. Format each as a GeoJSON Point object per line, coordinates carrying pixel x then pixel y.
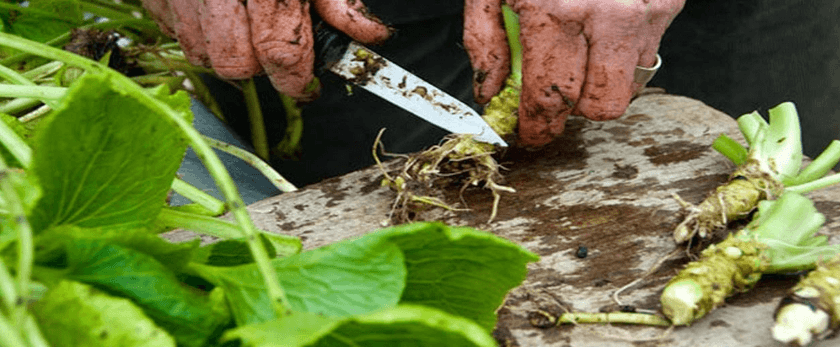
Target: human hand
{"type": "Point", "coordinates": [275, 36]}
{"type": "Point", "coordinates": [578, 56]}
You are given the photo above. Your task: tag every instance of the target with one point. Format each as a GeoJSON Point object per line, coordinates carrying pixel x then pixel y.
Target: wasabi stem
{"type": "Point", "coordinates": [770, 167]}
{"type": "Point", "coordinates": [460, 155]}
{"type": "Point", "coordinates": [812, 309]}
{"type": "Point", "coordinates": [612, 318]}
{"type": "Point", "coordinates": [781, 238]}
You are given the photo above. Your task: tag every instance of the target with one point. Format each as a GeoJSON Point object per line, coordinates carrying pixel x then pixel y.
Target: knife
{"type": "Point", "coordinates": [356, 63]}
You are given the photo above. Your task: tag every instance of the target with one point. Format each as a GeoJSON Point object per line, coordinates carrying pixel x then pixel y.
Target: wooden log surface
{"type": "Point", "coordinates": [606, 186]}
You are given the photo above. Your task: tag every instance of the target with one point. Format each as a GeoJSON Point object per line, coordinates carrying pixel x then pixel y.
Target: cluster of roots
{"type": "Point", "coordinates": [458, 159]}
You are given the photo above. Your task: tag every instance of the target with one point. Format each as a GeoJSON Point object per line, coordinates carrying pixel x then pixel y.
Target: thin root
{"type": "Point", "coordinates": [455, 156]}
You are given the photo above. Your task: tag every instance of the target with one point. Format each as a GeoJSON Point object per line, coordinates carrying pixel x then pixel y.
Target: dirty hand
{"type": "Point", "coordinates": [274, 36]}
{"type": "Point", "coordinates": [578, 56]}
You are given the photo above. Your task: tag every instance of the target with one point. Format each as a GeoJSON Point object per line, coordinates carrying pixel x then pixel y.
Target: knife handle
{"type": "Point", "coordinates": [330, 44]}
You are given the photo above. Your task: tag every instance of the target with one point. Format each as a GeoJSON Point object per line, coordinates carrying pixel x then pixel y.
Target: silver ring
{"type": "Point", "coordinates": [643, 75]}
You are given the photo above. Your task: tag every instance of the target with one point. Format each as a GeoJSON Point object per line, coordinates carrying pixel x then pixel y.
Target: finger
{"type": "Point", "coordinates": [282, 36]}
{"type": "Point", "coordinates": [647, 59]}
{"type": "Point", "coordinates": [188, 31]}
{"type": "Point", "coordinates": [161, 14]}
{"type": "Point", "coordinates": [661, 17]}
{"type": "Point", "coordinates": [228, 34]}
{"type": "Point", "coordinates": [486, 44]}
{"type": "Point", "coordinates": [609, 80]}
{"type": "Point", "coordinates": [553, 65]}
{"type": "Point", "coordinates": [352, 18]}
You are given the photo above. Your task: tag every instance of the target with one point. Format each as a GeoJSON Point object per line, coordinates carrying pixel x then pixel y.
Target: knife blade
{"type": "Point", "coordinates": [363, 67]}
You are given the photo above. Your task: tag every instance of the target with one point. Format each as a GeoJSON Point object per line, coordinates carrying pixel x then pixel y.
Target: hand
{"type": "Point", "coordinates": [578, 56]}
{"type": "Point", "coordinates": [274, 36]}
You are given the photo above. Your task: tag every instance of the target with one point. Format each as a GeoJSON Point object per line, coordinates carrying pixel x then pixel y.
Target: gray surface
{"type": "Point", "coordinates": [252, 185]}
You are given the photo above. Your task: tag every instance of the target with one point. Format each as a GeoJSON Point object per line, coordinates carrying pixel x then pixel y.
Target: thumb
{"type": "Point", "coordinates": [486, 43]}
{"type": "Point", "coordinates": [353, 19]}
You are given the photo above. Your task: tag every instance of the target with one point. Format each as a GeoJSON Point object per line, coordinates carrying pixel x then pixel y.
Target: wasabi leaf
{"type": "Point", "coordinates": [230, 252]}
{"type": "Point", "coordinates": [190, 316]}
{"type": "Point", "coordinates": [346, 278]}
{"type": "Point", "coordinates": [51, 244]}
{"type": "Point", "coordinates": [42, 20]}
{"type": "Point", "coordinates": [95, 319]}
{"type": "Point", "coordinates": [405, 325]}
{"type": "Point", "coordinates": [105, 158]}
{"type": "Point", "coordinates": [460, 271]}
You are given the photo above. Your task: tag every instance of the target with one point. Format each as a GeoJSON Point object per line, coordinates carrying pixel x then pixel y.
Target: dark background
{"type": "Point", "coordinates": [736, 56]}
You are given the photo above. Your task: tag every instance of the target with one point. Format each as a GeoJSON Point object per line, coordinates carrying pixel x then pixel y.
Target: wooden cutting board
{"type": "Point", "coordinates": [605, 186]}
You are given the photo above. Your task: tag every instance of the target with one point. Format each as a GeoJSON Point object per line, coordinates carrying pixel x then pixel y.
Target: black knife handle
{"type": "Point", "coordinates": [330, 44]}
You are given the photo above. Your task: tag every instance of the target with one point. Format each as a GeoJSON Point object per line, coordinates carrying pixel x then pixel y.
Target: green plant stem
{"type": "Point", "coordinates": [203, 224]}
{"type": "Point", "coordinates": [731, 149]}
{"type": "Point", "coordinates": [159, 78]}
{"type": "Point", "coordinates": [16, 78]}
{"type": "Point", "coordinates": [206, 225]}
{"type": "Point", "coordinates": [820, 166]}
{"type": "Point", "coordinates": [19, 105]}
{"type": "Point", "coordinates": [111, 4]}
{"type": "Point", "coordinates": [103, 11]}
{"type": "Point", "coordinates": [7, 287]}
{"type": "Point", "coordinates": [279, 302]}
{"type": "Point", "coordinates": [38, 73]}
{"type": "Point", "coordinates": [255, 118]}
{"type": "Point", "coordinates": [294, 126]}
{"type": "Point", "coordinates": [203, 93]}
{"type": "Point", "coordinates": [20, 225]}
{"type": "Point", "coordinates": [9, 337]}
{"type": "Point", "coordinates": [43, 93]}
{"type": "Point", "coordinates": [273, 176]}
{"type": "Point", "coordinates": [35, 114]}
{"type": "Point", "coordinates": [511, 20]}
{"type": "Point", "coordinates": [815, 184]}
{"type": "Point", "coordinates": [33, 333]}
{"type": "Point", "coordinates": [612, 318]}
{"type": "Point", "coordinates": [15, 145]}
{"type": "Point", "coordinates": [216, 206]}
{"type": "Point", "coordinates": [163, 61]}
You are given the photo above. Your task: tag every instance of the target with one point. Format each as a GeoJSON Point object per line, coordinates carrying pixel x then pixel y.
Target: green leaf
{"type": "Point", "coordinates": [75, 314]}
{"type": "Point", "coordinates": [105, 158]}
{"type": "Point", "coordinates": [51, 244]}
{"type": "Point", "coordinates": [405, 325]}
{"type": "Point", "coordinates": [461, 271]}
{"type": "Point", "coordinates": [189, 315]}
{"type": "Point", "coordinates": [787, 227]}
{"type": "Point", "coordinates": [346, 278]}
{"type": "Point", "coordinates": [42, 20]}
{"type": "Point", "coordinates": [230, 253]}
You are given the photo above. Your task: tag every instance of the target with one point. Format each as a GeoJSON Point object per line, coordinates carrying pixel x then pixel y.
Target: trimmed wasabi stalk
{"type": "Point", "coordinates": [812, 309]}
{"type": "Point", "coordinates": [780, 239]}
{"type": "Point", "coordinates": [770, 167]}
{"type": "Point", "coordinates": [460, 155]}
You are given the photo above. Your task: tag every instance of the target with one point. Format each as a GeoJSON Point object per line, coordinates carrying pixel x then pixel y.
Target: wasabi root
{"type": "Point", "coordinates": [781, 238]}
{"type": "Point", "coordinates": [770, 168]}
{"type": "Point", "coordinates": [460, 156]}
{"type": "Point", "coordinates": [812, 309]}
